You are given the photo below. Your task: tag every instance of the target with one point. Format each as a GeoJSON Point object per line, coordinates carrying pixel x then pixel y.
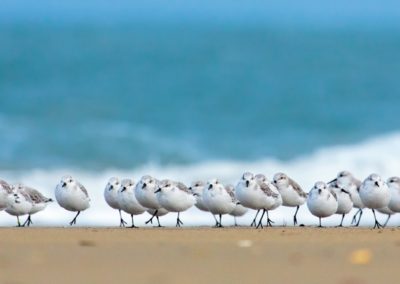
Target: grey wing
{"type": "Point", "coordinates": [6, 186]}
{"type": "Point", "coordinates": [229, 190]}
{"type": "Point", "coordinates": [83, 189]}
{"type": "Point", "coordinates": [35, 195]}
{"type": "Point", "coordinates": [265, 188]}
{"type": "Point", "coordinates": [297, 188]}
{"type": "Point", "coordinates": [183, 187]}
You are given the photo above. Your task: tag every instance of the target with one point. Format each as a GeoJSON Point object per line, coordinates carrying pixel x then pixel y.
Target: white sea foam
{"type": "Point", "coordinates": [380, 155]}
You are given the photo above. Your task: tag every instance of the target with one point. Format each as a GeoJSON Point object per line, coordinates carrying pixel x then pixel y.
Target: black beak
{"type": "Point", "coordinates": [158, 190]}
{"type": "Point", "coordinates": [319, 191]}
{"type": "Point", "coordinates": [247, 183]}
{"type": "Point", "coordinates": [345, 191]}
{"type": "Point", "coordinates": [144, 185]}
{"type": "Point", "coordinates": [123, 189]}
{"type": "Point", "coordinates": [111, 187]}
{"type": "Point", "coordinates": [210, 186]}
{"type": "Point", "coordinates": [332, 181]}
{"type": "Point", "coordinates": [64, 184]}
{"type": "Point", "coordinates": [49, 200]}
{"type": "Point", "coordinates": [377, 183]}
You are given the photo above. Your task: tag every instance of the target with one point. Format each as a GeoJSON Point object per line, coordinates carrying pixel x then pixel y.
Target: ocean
{"type": "Point", "coordinates": [187, 99]}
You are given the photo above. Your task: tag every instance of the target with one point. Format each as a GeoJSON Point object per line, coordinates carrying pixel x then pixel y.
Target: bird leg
{"type": "Point", "coordinates": [377, 224]}
{"type": "Point", "coordinates": [133, 224]}
{"type": "Point", "coordinates": [122, 222]}
{"type": "Point", "coordinates": [260, 222]}
{"type": "Point", "coordinates": [295, 216]}
{"type": "Point", "coordinates": [74, 220]}
{"type": "Point", "coordinates": [151, 219]}
{"type": "Point", "coordinates": [178, 221]}
{"type": "Point", "coordinates": [253, 224]}
{"type": "Point", "coordinates": [269, 221]}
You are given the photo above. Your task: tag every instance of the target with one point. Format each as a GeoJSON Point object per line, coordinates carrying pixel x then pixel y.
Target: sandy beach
{"type": "Point", "coordinates": [199, 255]}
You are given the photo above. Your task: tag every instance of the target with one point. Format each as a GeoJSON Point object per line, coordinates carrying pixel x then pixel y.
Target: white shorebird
{"type": "Point", "coordinates": [374, 194]}
{"type": "Point", "coordinates": [321, 202]}
{"type": "Point", "coordinates": [258, 193]}
{"type": "Point", "coordinates": [247, 193]}
{"type": "Point", "coordinates": [145, 193]}
{"type": "Point", "coordinates": [348, 182]}
{"type": "Point", "coordinates": [239, 210]}
{"type": "Point", "coordinates": [72, 196]}
{"type": "Point", "coordinates": [111, 197]}
{"type": "Point", "coordinates": [218, 199]}
{"type": "Point", "coordinates": [291, 192]}
{"type": "Point", "coordinates": [39, 201]}
{"type": "Point", "coordinates": [18, 203]}
{"type": "Point", "coordinates": [386, 211]}
{"type": "Point", "coordinates": [175, 197]}
{"type": "Point", "coordinates": [128, 201]}
{"type": "Point", "coordinates": [5, 191]}
{"type": "Point", "coordinates": [394, 186]}
{"type": "Point", "coordinates": [197, 189]}
{"type": "Point", "coordinates": [343, 197]}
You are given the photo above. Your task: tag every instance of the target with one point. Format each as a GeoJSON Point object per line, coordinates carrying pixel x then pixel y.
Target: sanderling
{"type": "Point", "coordinates": [291, 192]}
{"type": "Point", "coordinates": [18, 203]}
{"type": "Point", "coordinates": [271, 196]}
{"type": "Point", "coordinates": [5, 190]}
{"type": "Point", "coordinates": [348, 182]}
{"type": "Point", "coordinates": [111, 197]}
{"type": "Point", "coordinates": [145, 194]}
{"type": "Point", "coordinates": [239, 210]}
{"type": "Point", "coordinates": [72, 196]}
{"type": "Point", "coordinates": [39, 201]}
{"type": "Point", "coordinates": [258, 193]}
{"type": "Point", "coordinates": [394, 186]}
{"type": "Point", "coordinates": [175, 197]}
{"type": "Point", "coordinates": [197, 189]}
{"type": "Point", "coordinates": [321, 202]}
{"type": "Point", "coordinates": [219, 199]}
{"type": "Point", "coordinates": [127, 199]}
{"type": "Point", "coordinates": [374, 194]}
{"type": "Point", "coordinates": [343, 197]}
{"type": "Point", "coordinates": [386, 211]}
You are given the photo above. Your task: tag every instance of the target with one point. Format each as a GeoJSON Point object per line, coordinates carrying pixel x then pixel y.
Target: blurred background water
{"type": "Point", "coordinates": [189, 90]}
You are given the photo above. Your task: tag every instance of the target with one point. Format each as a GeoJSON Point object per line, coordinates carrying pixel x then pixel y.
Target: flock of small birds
{"type": "Point", "coordinates": [255, 192]}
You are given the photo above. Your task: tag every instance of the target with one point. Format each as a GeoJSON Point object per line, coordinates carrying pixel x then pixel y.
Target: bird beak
{"type": "Point", "coordinates": [377, 183]}
{"type": "Point", "coordinates": [345, 191]}
{"type": "Point", "coordinates": [123, 189]}
{"type": "Point", "coordinates": [210, 186]}
{"type": "Point", "coordinates": [319, 191]}
{"type": "Point", "coordinates": [144, 185]}
{"type": "Point", "coordinates": [158, 190]}
{"type": "Point", "coordinates": [64, 184]}
{"type": "Point", "coordinates": [247, 183]}
{"type": "Point", "coordinates": [332, 181]}
{"type": "Point", "coordinates": [111, 187]}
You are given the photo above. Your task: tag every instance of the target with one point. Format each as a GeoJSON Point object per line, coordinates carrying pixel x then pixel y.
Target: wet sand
{"type": "Point", "coordinates": [199, 255]}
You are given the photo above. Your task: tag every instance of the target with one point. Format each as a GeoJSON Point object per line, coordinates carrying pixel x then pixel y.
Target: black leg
{"type": "Point", "coordinates": [359, 219]}
{"type": "Point", "coordinates": [158, 220]}
{"type": "Point", "coordinates": [253, 224]}
{"type": "Point", "coordinates": [178, 221]}
{"type": "Point", "coordinates": [295, 216]}
{"type": "Point", "coordinates": [220, 221]}
{"type": "Point", "coordinates": [260, 222]}
{"type": "Point", "coordinates": [341, 222]}
{"type": "Point", "coordinates": [387, 220]}
{"type": "Point", "coordinates": [133, 224]}
{"type": "Point", "coordinates": [377, 224]}
{"type": "Point", "coordinates": [234, 218]}
{"type": "Point", "coordinates": [354, 219]}
{"type": "Point", "coordinates": [269, 221]}
{"type": "Point", "coordinates": [122, 222]}
{"type": "Point", "coordinates": [320, 226]}
{"type": "Point", "coordinates": [151, 219]}
{"type": "Point", "coordinates": [216, 221]}
{"type": "Point", "coordinates": [19, 223]}
{"type": "Point", "coordinates": [28, 221]}
{"type": "Point", "coordinates": [74, 220]}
